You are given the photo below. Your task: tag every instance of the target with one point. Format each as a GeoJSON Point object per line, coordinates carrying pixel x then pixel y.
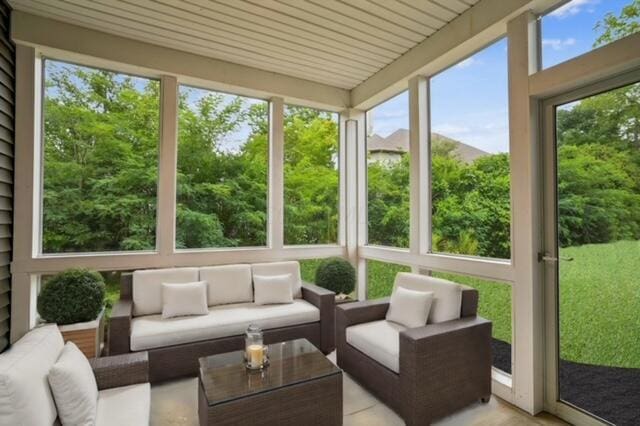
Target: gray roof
{"type": "Point", "coordinates": [398, 142]}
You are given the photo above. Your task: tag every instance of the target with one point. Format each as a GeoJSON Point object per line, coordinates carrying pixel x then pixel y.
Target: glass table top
{"type": "Point", "coordinates": [225, 378]}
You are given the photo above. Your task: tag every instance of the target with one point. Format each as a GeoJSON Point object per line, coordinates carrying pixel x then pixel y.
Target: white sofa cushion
{"type": "Point", "coordinates": [281, 268]}
{"type": "Point", "coordinates": [184, 299]}
{"type": "Point", "coordinates": [74, 387]}
{"type": "Point", "coordinates": [25, 396]}
{"type": "Point", "coordinates": [147, 287]}
{"type": "Point", "coordinates": [124, 406]}
{"type": "Point", "coordinates": [447, 295]}
{"type": "Point", "coordinates": [272, 289]}
{"type": "Point", "coordinates": [228, 284]}
{"type": "Point", "coordinates": [409, 307]}
{"type": "Point", "coordinates": [152, 331]}
{"type": "Point", "coordinates": [379, 340]}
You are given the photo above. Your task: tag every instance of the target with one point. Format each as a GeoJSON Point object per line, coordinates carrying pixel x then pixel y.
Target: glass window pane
{"type": "Point", "coordinates": [100, 173]}
{"type": "Point", "coordinates": [381, 276]}
{"type": "Point", "coordinates": [388, 172]}
{"type": "Point", "coordinates": [311, 176]}
{"type": "Point", "coordinates": [471, 211]}
{"type": "Point", "coordinates": [494, 304]}
{"type": "Point", "coordinates": [223, 162]}
{"type": "Point", "coordinates": [579, 26]}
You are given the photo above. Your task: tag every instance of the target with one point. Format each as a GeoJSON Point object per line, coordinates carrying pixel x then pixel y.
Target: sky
{"type": "Point", "coordinates": [469, 101]}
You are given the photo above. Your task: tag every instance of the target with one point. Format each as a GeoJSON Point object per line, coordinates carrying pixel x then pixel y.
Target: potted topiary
{"type": "Point", "coordinates": [74, 299]}
{"type": "Point", "coordinates": [338, 275]}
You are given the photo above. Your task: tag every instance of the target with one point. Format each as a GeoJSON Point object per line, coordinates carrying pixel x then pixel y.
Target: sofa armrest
{"type": "Point", "coordinates": [325, 301]}
{"type": "Point", "coordinates": [121, 370]}
{"type": "Point", "coordinates": [445, 366]}
{"type": "Point", "coordinates": [120, 327]}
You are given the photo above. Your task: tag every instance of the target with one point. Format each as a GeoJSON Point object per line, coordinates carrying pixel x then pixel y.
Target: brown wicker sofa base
{"type": "Point", "coordinates": [172, 362]}
{"type": "Point", "coordinates": [443, 367]}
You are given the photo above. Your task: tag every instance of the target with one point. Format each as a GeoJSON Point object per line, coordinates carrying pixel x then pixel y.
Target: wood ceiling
{"type": "Point", "coordinates": [336, 42]}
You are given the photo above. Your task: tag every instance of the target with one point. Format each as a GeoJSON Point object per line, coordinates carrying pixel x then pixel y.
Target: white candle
{"type": "Point", "coordinates": [255, 354]}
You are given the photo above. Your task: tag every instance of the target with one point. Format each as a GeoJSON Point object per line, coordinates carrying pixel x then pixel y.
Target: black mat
{"type": "Point", "coordinates": [610, 393]}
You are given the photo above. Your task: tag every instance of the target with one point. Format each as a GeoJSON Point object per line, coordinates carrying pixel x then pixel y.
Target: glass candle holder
{"type": "Point", "coordinates": [255, 351]}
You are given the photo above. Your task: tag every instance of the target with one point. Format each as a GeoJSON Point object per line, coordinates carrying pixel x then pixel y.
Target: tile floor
{"type": "Point", "coordinates": [175, 404]}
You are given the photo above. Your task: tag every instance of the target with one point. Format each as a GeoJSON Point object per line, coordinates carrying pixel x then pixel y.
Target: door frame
{"type": "Point", "coordinates": [552, 403]}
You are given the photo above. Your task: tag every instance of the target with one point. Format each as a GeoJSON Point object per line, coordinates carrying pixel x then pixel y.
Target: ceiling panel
{"type": "Point", "coordinates": [335, 42]}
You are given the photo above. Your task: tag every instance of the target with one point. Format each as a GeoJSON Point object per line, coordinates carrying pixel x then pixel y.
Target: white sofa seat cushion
{"type": "Point", "coordinates": [281, 268]}
{"type": "Point", "coordinates": [447, 295]}
{"type": "Point", "coordinates": [124, 406]}
{"type": "Point", "coordinates": [147, 287]}
{"type": "Point", "coordinates": [228, 284]}
{"type": "Point", "coordinates": [379, 340]}
{"type": "Point", "coordinates": [152, 331]}
{"type": "Point", "coordinates": [25, 396]}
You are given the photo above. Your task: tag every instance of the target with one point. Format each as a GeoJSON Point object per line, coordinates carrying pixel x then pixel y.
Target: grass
{"type": "Point", "coordinates": [600, 304]}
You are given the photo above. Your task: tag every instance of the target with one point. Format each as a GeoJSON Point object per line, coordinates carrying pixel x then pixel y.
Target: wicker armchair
{"type": "Point", "coordinates": [442, 367]}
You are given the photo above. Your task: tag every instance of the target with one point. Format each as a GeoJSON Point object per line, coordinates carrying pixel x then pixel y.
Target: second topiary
{"type": "Point", "coordinates": [336, 274]}
{"type": "Point", "coordinates": [75, 295]}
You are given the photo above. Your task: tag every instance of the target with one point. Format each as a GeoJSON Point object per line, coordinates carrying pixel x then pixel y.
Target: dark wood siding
{"type": "Point", "coordinates": [7, 87]}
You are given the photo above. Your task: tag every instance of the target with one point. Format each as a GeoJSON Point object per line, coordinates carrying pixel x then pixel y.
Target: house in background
{"type": "Point", "coordinates": [391, 149]}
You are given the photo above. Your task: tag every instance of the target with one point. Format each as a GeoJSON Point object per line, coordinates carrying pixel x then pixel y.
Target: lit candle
{"type": "Point", "coordinates": [256, 354]}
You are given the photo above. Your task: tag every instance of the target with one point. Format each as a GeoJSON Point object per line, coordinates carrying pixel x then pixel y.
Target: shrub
{"type": "Point", "coordinates": [336, 274]}
{"type": "Point", "coordinates": [75, 295]}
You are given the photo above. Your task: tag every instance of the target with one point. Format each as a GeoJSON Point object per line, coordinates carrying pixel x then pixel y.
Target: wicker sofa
{"type": "Point", "coordinates": [174, 345]}
{"type": "Point", "coordinates": [439, 368]}
{"type": "Point", "coordinates": [124, 395]}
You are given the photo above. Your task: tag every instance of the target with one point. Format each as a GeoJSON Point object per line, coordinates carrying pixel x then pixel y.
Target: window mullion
{"type": "Point", "coordinates": [276, 174]}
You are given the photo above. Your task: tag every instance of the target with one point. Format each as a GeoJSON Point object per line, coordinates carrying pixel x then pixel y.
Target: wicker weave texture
{"type": "Point", "coordinates": [121, 370]}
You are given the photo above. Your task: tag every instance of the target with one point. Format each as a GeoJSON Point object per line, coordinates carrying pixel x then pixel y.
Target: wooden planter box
{"type": "Point", "coordinates": [88, 336]}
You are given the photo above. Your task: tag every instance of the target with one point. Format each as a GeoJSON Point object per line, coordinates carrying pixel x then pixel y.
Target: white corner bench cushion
{"type": "Point", "coordinates": [125, 406]}
{"type": "Point", "coordinates": [272, 289]}
{"type": "Point", "coordinates": [447, 295]}
{"type": "Point", "coordinates": [409, 307]}
{"type": "Point", "coordinates": [379, 340]}
{"type": "Point", "coordinates": [281, 268]}
{"type": "Point", "coordinates": [152, 331]}
{"type": "Point", "coordinates": [147, 287]}
{"type": "Point", "coordinates": [74, 387]}
{"type": "Point", "coordinates": [25, 396]}
{"type": "Point", "coordinates": [184, 299]}
{"type": "Point", "coordinates": [228, 284]}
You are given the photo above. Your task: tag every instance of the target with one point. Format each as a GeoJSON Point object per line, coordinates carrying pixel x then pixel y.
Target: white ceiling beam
{"type": "Point", "coordinates": [467, 33]}
{"type": "Point", "coordinates": [42, 32]}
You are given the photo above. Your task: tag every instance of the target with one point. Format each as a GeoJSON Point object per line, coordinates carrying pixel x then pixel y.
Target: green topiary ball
{"type": "Point", "coordinates": [75, 295]}
{"type": "Point", "coordinates": [336, 274]}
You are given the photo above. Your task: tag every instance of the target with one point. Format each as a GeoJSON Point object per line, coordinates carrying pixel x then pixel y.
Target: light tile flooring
{"type": "Point", "coordinates": [175, 404]}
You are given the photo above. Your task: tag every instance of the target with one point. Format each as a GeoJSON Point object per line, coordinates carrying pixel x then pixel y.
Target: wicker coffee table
{"type": "Point", "coordinates": [300, 385]}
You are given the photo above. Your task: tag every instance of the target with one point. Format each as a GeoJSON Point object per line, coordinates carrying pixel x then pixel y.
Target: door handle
{"type": "Point", "coordinates": [544, 257]}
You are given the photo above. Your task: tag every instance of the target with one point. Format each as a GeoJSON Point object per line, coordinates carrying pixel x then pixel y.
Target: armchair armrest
{"type": "Point", "coordinates": [325, 301]}
{"type": "Point", "coordinates": [120, 327]}
{"type": "Point", "coordinates": [444, 367]}
{"type": "Point", "coordinates": [121, 370]}
{"type": "Point", "coordinates": [349, 314]}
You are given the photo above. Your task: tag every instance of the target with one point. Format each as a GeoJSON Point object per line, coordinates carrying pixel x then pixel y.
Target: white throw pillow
{"type": "Point", "coordinates": [447, 295]}
{"type": "Point", "coordinates": [74, 387]}
{"type": "Point", "coordinates": [272, 289]}
{"type": "Point", "coordinates": [184, 299]}
{"type": "Point", "coordinates": [410, 307]}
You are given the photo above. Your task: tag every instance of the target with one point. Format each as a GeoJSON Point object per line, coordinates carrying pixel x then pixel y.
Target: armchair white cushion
{"type": "Point", "coordinates": [447, 295]}
{"type": "Point", "coordinates": [184, 299]}
{"type": "Point", "coordinates": [228, 284]}
{"type": "Point", "coordinates": [379, 340]}
{"type": "Point", "coordinates": [25, 396]}
{"type": "Point", "coordinates": [147, 287]}
{"type": "Point", "coordinates": [74, 387]}
{"type": "Point", "coordinates": [126, 405]}
{"type": "Point", "coordinates": [281, 268]}
{"type": "Point", "coordinates": [409, 307]}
